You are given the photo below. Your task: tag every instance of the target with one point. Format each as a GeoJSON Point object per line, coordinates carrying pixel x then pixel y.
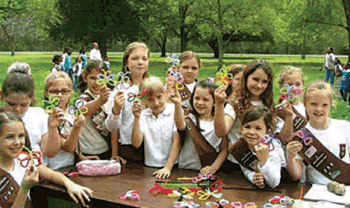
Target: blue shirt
{"type": "Point", "coordinates": [83, 56]}
{"type": "Point", "coordinates": [344, 85]}
{"type": "Point", "coordinates": [68, 63]}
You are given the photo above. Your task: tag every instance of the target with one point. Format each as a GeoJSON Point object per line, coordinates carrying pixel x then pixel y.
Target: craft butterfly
{"type": "Point", "coordinates": [177, 79]}
{"type": "Point", "coordinates": [78, 108]}
{"type": "Point", "coordinates": [51, 104]}
{"type": "Point", "coordinates": [25, 158]}
{"type": "Point", "coordinates": [106, 79]}
{"type": "Point", "coordinates": [223, 77]}
{"type": "Point", "coordinates": [174, 59]}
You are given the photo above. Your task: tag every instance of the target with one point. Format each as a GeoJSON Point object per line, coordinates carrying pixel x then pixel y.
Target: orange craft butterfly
{"type": "Point", "coordinates": [33, 157]}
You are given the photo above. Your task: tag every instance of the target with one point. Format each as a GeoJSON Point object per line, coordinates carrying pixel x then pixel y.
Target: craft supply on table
{"type": "Point", "coordinates": [207, 193]}
{"type": "Point", "coordinates": [156, 189]}
{"type": "Point", "coordinates": [183, 193]}
{"type": "Point", "coordinates": [319, 192]}
{"type": "Point", "coordinates": [186, 204]}
{"type": "Point", "coordinates": [98, 167]}
{"type": "Point", "coordinates": [132, 195]}
{"type": "Point", "coordinates": [336, 188]}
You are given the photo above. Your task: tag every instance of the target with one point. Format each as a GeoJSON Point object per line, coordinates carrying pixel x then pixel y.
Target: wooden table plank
{"type": "Point", "coordinates": [138, 177]}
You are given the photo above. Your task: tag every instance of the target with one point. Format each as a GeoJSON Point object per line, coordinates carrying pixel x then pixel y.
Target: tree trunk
{"type": "Point", "coordinates": [220, 37]}
{"type": "Point", "coordinates": [103, 47]}
{"type": "Point", "coordinates": [303, 47]}
{"type": "Point", "coordinates": [184, 40]}
{"type": "Point", "coordinates": [214, 46]}
{"type": "Point", "coordinates": [163, 46]}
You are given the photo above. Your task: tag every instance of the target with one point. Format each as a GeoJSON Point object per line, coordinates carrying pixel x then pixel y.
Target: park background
{"type": "Point", "coordinates": [222, 32]}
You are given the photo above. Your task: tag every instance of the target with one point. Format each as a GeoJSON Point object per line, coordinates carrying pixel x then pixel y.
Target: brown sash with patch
{"type": "Point", "coordinates": [298, 122]}
{"type": "Point", "coordinates": [98, 118]}
{"type": "Point", "coordinates": [242, 153]}
{"type": "Point", "coordinates": [207, 154]}
{"type": "Point", "coordinates": [9, 190]}
{"type": "Point", "coordinates": [324, 161]}
{"type": "Point", "coordinates": [185, 94]}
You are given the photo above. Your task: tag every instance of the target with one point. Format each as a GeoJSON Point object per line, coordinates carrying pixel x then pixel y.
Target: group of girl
{"type": "Point", "coordinates": [195, 124]}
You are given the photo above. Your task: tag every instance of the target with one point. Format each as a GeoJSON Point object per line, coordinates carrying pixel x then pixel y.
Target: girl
{"type": "Point", "coordinates": [255, 122]}
{"type": "Point", "coordinates": [291, 76]}
{"type": "Point", "coordinates": [345, 83]}
{"type": "Point", "coordinates": [60, 149]}
{"type": "Point", "coordinates": [67, 61]}
{"type": "Point", "coordinates": [12, 138]}
{"type": "Point", "coordinates": [78, 67]}
{"type": "Point", "coordinates": [332, 133]}
{"type": "Point", "coordinates": [94, 142]}
{"type": "Point", "coordinates": [56, 61]}
{"type": "Point", "coordinates": [338, 73]}
{"type": "Point", "coordinates": [155, 126]}
{"type": "Point", "coordinates": [83, 56]}
{"type": "Point", "coordinates": [18, 96]}
{"type": "Point", "coordinates": [106, 63]}
{"type": "Point", "coordinates": [135, 67]}
{"type": "Point", "coordinates": [200, 121]}
{"type": "Point", "coordinates": [255, 89]}
{"type": "Point", "coordinates": [328, 66]}
{"type": "Point", "coordinates": [189, 68]}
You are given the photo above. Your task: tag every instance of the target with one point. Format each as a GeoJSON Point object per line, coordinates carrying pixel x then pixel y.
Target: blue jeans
{"type": "Point", "coordinates": [76, 80]}
{"type": "Point", "coordinates": [329, 75]}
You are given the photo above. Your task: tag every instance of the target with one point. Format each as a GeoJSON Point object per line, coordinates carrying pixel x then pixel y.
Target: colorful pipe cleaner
{"type": "Point", "coordinates": [140, 96]}
{"type": "Point", "coordinates": [204, 195]}
{"type": "Point", "coordinates": [51, 104]}
{"type": "Point", "coordinates": [132, 195]}
{"type": "Point", "coordinates": [183, 193]}
{"type": "Point", "coordinates": [177, 79]}
{"type": "Point", "coordinates": [223, 77]}
{"type": "Point", "coordinates": [186, 204]}
{"type": "Point", "coordinates": [30, 157]}
{"type": "Point", "coordinates": [78, 108]}
{"type": "Point", "coordinates": [125, 82]}
{"type": "Point", "coordinates": [156, 189]}
{"type": "Point", "coordinates": [289, 92]}
{"type": "Point", "coordinates": [173, 59]}
{"type": "Point", "coordinates": [106, 79]}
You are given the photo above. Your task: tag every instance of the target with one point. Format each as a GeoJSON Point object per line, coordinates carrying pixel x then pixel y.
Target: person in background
{"type": "Point", "coordinates": [57, 61]}
{"type": "Point", "coordinates": [328, 66]}
{"type": "Point", "coordinates": [83, 56]}
{"type": "Point", "coordinates": [95, 54]}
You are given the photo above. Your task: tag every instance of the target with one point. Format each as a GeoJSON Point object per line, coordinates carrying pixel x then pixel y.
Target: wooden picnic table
{"type": "Point", "coordinates": [138, 177]}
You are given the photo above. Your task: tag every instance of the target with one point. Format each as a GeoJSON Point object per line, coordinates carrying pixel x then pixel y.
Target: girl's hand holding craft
{"type": "Point", "coordinates": [175, 96]}
{"type": "Point", "coordinates": [162, 173]}
{"type": "Point", "coordinates": [119, 101]}
{"type": "Point", "coordinates": [293, 148]}
{"type": "Point", "coordinates": [79, 121]}
{"type": "Point", "coordinates": [30, 178]}
{"type": "Point", "coordinates": [262, 153]}
{"type": "Point", "coordinates": [136, 109]}
{"type": "Point", "coordinates": [74, 190]}
{"type": "Point", "coordinates": [287, 108]}
{"type": "Point", "coordinates": [56, 118]}
{"type": "Point", "coordinates": [104, 94]}
{"type": "Point", "coordinates": [220, 94]}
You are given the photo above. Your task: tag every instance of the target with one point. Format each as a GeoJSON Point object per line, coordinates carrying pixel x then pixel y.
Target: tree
{"type": "Point", "coordinates": [101, 21]}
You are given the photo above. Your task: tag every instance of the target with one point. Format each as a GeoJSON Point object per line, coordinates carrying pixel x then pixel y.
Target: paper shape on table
{"type": "Point", "coordinates": [320, 193]}
{"type": "Point", "coordinates": [320, 204]}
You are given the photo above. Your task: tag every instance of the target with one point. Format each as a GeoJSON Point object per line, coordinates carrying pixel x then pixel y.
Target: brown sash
{"type": "Point", "coordinates": [242, 153]}
{"type": "Point", "coordinates": [207, 154]}
{"type": "Point", "coordinates": [185, 93]}
{"type": "Point", "coordinates": [298, 122]}
{"type": "Point", "coordinates": [98, 118]}
{"type": "Point", "coordinates": [325, 162]}
{"type": "Point", "coordinates": [9, 190]}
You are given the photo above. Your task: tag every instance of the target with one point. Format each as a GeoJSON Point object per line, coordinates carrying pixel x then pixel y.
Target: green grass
{"type": "Point", "coordinates": [41, 66]}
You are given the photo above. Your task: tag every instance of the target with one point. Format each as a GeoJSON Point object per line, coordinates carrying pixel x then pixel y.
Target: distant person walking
{"type": "Point", "coordinates": [67, 60]}
{"type": "Point", "coordinates": [95, 55]}
{"type": "Point", "coordinates": [83, 56]}
{"type": "Point", "coordinates": [329, 66]}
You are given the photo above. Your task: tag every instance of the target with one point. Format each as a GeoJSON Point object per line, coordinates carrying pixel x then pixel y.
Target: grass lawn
{"type": "Point", "coordinates": [41, 66]}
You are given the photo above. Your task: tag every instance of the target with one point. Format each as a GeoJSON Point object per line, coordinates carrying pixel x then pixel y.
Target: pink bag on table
{"type": "Point", "coordinates": [98, 167]}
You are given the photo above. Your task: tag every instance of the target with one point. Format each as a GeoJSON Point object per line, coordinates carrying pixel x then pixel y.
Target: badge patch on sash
{"type": "Point", "coordinates": [342, 151]}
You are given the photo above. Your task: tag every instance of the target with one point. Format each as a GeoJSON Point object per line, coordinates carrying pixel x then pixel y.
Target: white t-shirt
{"type": "Point", "coordinates": [188, 158]}
{"type": "Point", "coordinates": [36, 123]}
{"type": "Point", "coordinates": [272, 168]}
{"type": "Point", "coordinates": [330, 57]}
{"type": "Point", "coordinates": [95, 54]}
{"type": "Point", "coordinates": [158, 135]}
{"type": "Point", "coordinates": [80, 68]}
{"type": "Point", "coordinates": [62, 158]}
{"type": "Point", "coordinates": [125, 119]}
{"type": "Point", "coordinates": [18, 172]}
{"type": "Point", "coordinates": [335, 135]}
{"type": "Point", "coordinates": [299, 107]}
{"type": "Point", "coordinates": [235, 133]}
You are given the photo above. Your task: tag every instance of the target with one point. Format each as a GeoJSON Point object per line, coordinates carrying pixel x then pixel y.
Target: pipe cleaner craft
{"type": "Point", "coordinates": [51, 104]}
{"type": "Point", "coordinates": [78, 108]}
{"type": "Point", "coordinates": [223, 77]}
{"type": "Point", "coordinates": [177, 79]}
{"type": "Point", "coordinates": [140, 96]}
{"type": "Point", "coordinates": [183, 193]}
{"type": "Point", "coordinates": [156, 189]}
{"type": "Point", "coordinates": [289, 92]}
{"type": "Point", "coordinates": [132, 195]}
{"type": "Point", "coordinates": [280, 201]}
{"type": "Point", "coordinates": [222, 203]}
{"type": "Point", "coordinates": [186, 204]}
{"type": "Point", "coordinates": [106, 79]}
{"type": "Point", "coordinates": [247, 205]}
{"type": "Point", "coordinates": [199, 178]}
{"type": "Point", "coordinates": [204, 195]}
{"type": "Point", "coordinates": [174, 59]}
{"type": "Point", "coordinates": [124, 80]}
{"type": "Point", "coordinates": [29, 157]}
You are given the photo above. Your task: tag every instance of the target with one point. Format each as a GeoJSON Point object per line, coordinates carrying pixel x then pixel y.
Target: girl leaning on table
{"type": "Point", "coordinates": [135, 68]}
{"type": "Point", "coordinates": [333, 134]}
{"type": "Point", "coordinates": [202, 149]}
{"type": "Point", "coordinates": [60, 150]}
{"type": "Point", "coordinates": [18, 96]}
{"type": "Point", "coordinates": [24, 176]}
{"type": "Point", "coordinates": [155, 127]}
